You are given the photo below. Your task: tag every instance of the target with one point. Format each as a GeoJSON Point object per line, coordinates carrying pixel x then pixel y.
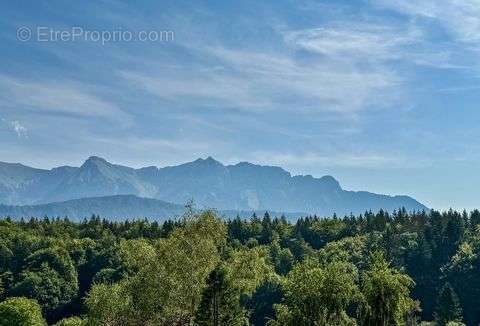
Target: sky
{"type": "Point", "coordinates": [381, 94]}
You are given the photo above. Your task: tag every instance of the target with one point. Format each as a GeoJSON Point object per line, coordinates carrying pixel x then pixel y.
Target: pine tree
{"type": "Point", "coordinates": [474, 219]}
{"type": "Point", "coordinates": [220, 303]}
{"type": "Point", "coordinates": [448, 306]}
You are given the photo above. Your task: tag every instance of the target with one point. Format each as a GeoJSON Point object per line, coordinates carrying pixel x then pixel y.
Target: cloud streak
{"type": "Point", "coordinates": [56, 97]}
{"type": "Point", "coordinates": [307, 160]}
{"type": "Point", "coordinates": [340, 67]}
{"type": "Point", "coordinates": [461, 18]}
{"type": "Point", "coordinates": [355, 42]}
{"type": "Point", "coordinates": [262, 81]}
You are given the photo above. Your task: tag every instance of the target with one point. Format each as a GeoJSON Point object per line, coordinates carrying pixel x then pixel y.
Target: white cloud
{"type": "Point", "coordinates": [17, 127]}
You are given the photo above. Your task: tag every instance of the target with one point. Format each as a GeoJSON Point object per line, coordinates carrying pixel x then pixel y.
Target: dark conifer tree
{"type": "Point", "coordinates": [220, 303]}
{"type": "Point", "coordinates": [448, 307]}
{"type": "Point", "coordinates": [474, 219]}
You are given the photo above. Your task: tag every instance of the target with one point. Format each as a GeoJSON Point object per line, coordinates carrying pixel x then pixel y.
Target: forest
{"type": "Point", "coordinates": [378, 268]}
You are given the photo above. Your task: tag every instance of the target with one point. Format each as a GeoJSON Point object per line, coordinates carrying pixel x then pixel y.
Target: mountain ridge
{"type": "Point", "coordinates": [241, 186]}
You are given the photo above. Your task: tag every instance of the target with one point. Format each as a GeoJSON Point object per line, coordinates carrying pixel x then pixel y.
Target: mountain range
{"type": "Point", "coordinates": [209, 183]}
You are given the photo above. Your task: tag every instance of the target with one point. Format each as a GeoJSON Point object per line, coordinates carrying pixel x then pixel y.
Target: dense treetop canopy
{"type": "Point", "coordinates": [379, 268]}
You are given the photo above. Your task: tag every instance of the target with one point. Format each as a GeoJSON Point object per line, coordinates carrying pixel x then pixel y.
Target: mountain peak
{"type": "Point", "coordinates": [208, 161]}
{"type": "Point", "coordinates": [94, 158]}
{"type": "Point", "coordinates": [94, 161]}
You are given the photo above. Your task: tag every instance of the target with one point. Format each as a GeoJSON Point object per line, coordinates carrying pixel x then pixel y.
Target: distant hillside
{"type": "Point", "coordinates": [113, 207]}
{"type": "Point", "coordinates": [119, 207]}
{"type": "Point", "coordinates": [243, 186]}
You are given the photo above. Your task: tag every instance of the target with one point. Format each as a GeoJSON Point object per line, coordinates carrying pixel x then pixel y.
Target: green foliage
{"type": "Point", "coordinates": [455, 323]}
{"type": "Point", "coordinates": [220, 303]}
{"type": "Point", "coordinates": [462, 273]}
{"type": "Point", "coordinates": [135, 253]}
{"type": "Point", "coordinates": [317, 295]}
{"type": "Point", "coordinates": [107, 275]}
{"type": "Point", "coordinates": [282, 258]}
{"type": "Point", "coordinates": [350, 249]}
{"type": "Point", "coordinates": [168, 286]}
{"type": "Point", "coordinates": [49, 277]}
{"type": "Point", "coordinates": [266, 269]}
{"type": "Point", "coordinates": [262, 302]}
{"type": "Point", "coordinates": [109, 305]}
{"type": "Point", "coordinates": [385, 293]}
{"type": "Point", "coordinates": [248, 268]}
{"type": "Point", "coordinates": [448, 306]}
{"type": "Point", "coordinates": [71, 321]}
{"type": "Point", "coordinates": [21, 312]}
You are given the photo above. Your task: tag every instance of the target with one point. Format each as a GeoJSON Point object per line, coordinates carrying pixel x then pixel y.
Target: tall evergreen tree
{"type": "Point", "coordinates": [220, 303]}
{"type": "Point", "coordinates": [448, 306]}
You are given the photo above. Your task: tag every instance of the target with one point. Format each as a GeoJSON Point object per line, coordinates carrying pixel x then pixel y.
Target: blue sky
{"type": "Point", "coordinates": [382, 94]}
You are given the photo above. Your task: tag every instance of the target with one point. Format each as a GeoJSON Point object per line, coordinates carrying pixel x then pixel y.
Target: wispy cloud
{"type": "Point", "coordinates": [302, 161]}
{"type": "Point", "coordinates": [461, 18]}
{"type": "Point", "coordinates": [262, 81]}
{"type": "Point", "coordinates": [315, 159]}
{"type": "Point", "coordinates": [365, 42]}
{"type": "Point", "coordinates": [338, 66]}
{"type": "Point", "coordinates": [206, 89]}
{"type": "Point", "coordinates": [372, 44]}
{"type": "Point", "coordinates": [64, 97]}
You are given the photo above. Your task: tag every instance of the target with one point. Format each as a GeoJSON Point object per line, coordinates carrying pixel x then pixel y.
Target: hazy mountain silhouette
{"type": "Point", "coordinates": [243, 186]}
{"type": "Point", "coordinates": [119, 207]}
